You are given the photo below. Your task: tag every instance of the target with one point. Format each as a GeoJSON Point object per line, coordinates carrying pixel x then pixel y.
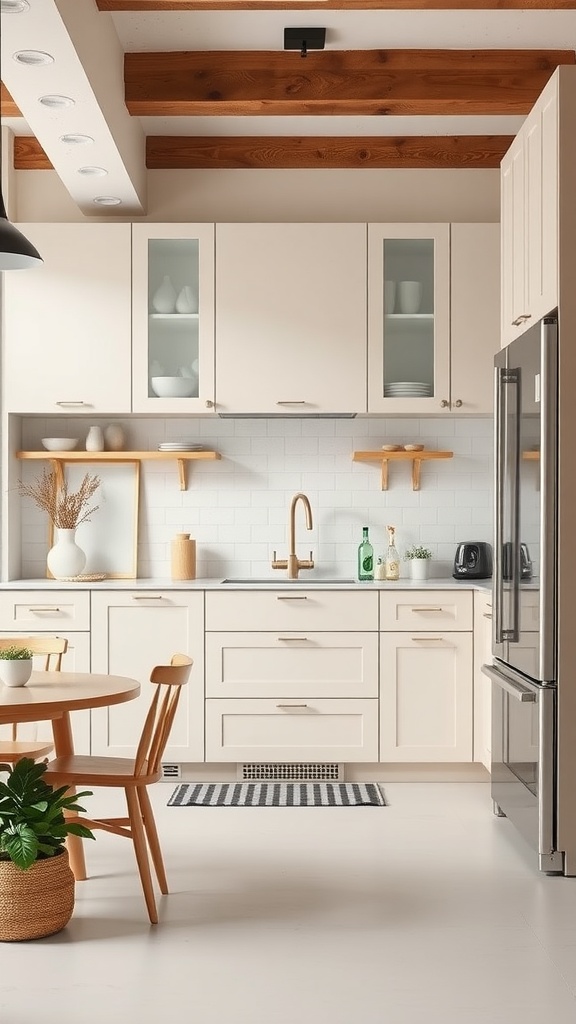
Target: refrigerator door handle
{"type": "Point", "coordinates": [499, 445]}
{"type": "Point", "coordinates": [506, 455]}
{"type": "Point", "coordinates": [548, 484]}
{"type": "Point", "coordinates": [516, 690]}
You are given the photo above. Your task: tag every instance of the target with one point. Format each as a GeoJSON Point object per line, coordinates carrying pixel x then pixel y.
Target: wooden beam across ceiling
{"type": "Point", "coordinates": [469, 151]}
{"type": "Point", "coordinates": [8, 107]}
{"type": "Point", "coordinates": [336, 5]}
{"type": "Point", "coordinates": [29, 155]}
{"type": "Point", "coordinates": [369, 82]}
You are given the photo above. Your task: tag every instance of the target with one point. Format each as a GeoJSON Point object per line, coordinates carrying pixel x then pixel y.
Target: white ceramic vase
{"type": "Point", "coordinates": [66, 559]}
{"type": "Point", "coordinates": [187, 301]}
{"type": "Point", "coordinates": [419, 568]}
{"type": "Point", "coordinates": [15, 673]}
{"type": "Point", "coordinates": [114, 437]}
{"type": "Point", "coordinates": [409, 296]}
{"type": "Point", "coordinates": [164, 298]}
{"type": "Point", "coordinates": [95, 440]}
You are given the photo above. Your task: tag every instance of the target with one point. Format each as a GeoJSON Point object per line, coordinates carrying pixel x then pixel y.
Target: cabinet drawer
{"type": "Point", "coordinates": [290, 730]}
{"type": "Point", "coordinates": [426, 609]}
{"type": "Point", "coordinates": [292, 665]}
{"type": "Point", "coordinates": [42, 611]}
{"type": "Point", "coordinates": [289, 610]}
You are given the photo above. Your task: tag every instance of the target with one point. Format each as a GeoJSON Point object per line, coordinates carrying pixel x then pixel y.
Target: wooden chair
{"type": "Point", "coordinates": [52, 648]}
{"type": "Point", "coordinates": [134, 775]}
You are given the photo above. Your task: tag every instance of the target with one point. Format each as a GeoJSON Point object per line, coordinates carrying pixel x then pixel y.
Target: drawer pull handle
{"type": "Point", "coordinates": [291, 705]}
{"type": "Point", "coordinates": [299, 401]}
{"type": "Point", "coordinates": [147, 597]}
{"type": "Point", "coordinates": [292, 638]}
{"type": "Point", "coordinates": [428, 608]}
{"type": "Point", "coordinates": [286, 597]}
{"type": "Point", "coordinates": [487, 615]}
{"type": "Point", "coordinates": [70, 403]}
{"type": "Point", "coordinates": [50, 608]}
{"type": "Point", "coordinates": [425, 639]}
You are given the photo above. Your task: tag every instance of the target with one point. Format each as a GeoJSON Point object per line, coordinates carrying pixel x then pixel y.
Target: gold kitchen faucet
{"type": "Point", "coordinates": [293, 564]}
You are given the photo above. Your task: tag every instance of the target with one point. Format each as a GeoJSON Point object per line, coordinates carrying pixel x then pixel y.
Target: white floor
{"type": "Point", "coordinates": [429, 910]}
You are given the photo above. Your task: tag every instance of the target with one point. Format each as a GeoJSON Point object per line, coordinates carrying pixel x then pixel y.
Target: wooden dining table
{"type": "Point", "coordinates": [52, 696]}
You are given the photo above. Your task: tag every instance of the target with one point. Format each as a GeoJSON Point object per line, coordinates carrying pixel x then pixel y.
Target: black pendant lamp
{"type": "Point", "coordinates": [16, 252]}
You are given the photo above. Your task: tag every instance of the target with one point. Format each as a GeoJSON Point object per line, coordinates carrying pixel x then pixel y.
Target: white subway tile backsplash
{"type": "Point", "coordinates": [237, 509]}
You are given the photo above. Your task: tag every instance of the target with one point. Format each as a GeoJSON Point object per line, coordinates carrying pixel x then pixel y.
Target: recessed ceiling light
{"type": "Point", "coordinates": [56, 102]}
{"type": "Point", "coordinates": [94, 172]}
{"type": "Point", "coordinates": [14, 6]}
{"type": "Point", "coordinates": [76, 140]}
{"type": "Point", "coordinates": [33, 58]}
{"type": "Point", "coordinates": [107, 201]}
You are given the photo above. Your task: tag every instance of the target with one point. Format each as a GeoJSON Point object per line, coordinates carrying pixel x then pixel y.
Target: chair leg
{"type": "Point", "coordinates": [153, 841]}
{"type": "Point", "coordinates": [139, 840]}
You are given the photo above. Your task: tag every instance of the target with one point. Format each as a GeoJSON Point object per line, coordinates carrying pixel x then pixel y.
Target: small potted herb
{"type": "Point", "coordinates": [419, 558]}
{"type": "Point", "coordinates": [15, 665]}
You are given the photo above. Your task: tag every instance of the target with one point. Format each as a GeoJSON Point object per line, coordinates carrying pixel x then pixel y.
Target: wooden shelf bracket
{"type": "Point", "coordinates": [416, 458]}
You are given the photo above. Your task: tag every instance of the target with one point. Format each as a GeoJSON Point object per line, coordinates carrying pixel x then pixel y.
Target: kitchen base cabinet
{"type": "Point", "coordinates": [482, 684]}
{"type": "Point", "coordinates": [292, 730]}
{"type": "Point", "coordinates": [131, 633]}
{"type": "Point", "coordinates": [426, 696]}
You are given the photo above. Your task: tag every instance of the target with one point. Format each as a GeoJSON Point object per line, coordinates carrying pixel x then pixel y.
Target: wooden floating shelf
{"type": "Point", "coordinates": [416, 458]}
{"type": "Point", "coordinates": [58, 458]}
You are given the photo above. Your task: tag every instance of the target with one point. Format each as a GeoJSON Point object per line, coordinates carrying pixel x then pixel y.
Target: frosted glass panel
{"type": "Point", "coordinates": [173, 317]}
{"type": "Point", "coordinates": [408, 318]}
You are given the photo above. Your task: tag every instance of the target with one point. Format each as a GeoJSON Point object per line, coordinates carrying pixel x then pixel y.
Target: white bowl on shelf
{"type": "Point", "coordinates": [59, 444]}
{"type": "Point", "coordinates": [173, 387]}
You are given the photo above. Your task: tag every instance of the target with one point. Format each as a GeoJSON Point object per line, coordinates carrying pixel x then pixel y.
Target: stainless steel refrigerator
{"type": "Point", "coordinates": [525, 587]}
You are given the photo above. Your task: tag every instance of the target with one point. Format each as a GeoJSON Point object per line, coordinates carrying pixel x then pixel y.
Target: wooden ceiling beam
{"type": "Point", "coordinates": [8, 107]}
{"type": "Point", "coordinates": [463, 151]}
{"type": "Point", "coordinates": [373, 82]}
{"type": "Point", "coordinates": [29, 155]}
{"type": "Point", "coordinates": [336, 5]}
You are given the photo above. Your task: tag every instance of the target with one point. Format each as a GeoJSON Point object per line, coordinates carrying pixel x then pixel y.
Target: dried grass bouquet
{"type": "Point", "coordinates": [67, 509]}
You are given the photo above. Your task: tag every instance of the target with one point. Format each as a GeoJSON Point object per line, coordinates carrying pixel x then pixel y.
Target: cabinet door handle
{"type": "Point", "coordinates": [487, 615]}
{"type": "Point", "coordinates": [520, 319]}
{"type": "Point", "coordinates": [444, 403]}
{"type": "Point", "coordinates": [458, 403]}
{"type": "Point", "coordinates": [49, 608]}
{"type": "Point", "coordinates": [146, 597]}
{"type": "Point", "coordinates": [209, 403]}
{"type": "Point", "coordinates": [292, 638]}
{"type": "Point", "coordinates": [71, 403]}
{"type": "Point", "coordinates": [291, 597]}
{"type": "Point", "coordinates": [425, 639]}
{"type": "Point", "coordinates": [291, 705]}
{"type": "Point", "coordinates": [428, 608]}
{"type": "Point", "coordinates": [299, 402]}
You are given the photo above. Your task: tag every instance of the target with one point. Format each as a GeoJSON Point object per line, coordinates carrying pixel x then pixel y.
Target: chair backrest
{"type": "Point", "coordinates": [51, 647]}
{"type": "Point", "coordinates": [168, 680]}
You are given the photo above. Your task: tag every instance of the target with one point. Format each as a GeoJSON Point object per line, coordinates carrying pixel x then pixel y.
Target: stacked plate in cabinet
{"type": "Point", "coordinates": [180, 446]}
{"type": "Point", "coordinates": [407, 389]}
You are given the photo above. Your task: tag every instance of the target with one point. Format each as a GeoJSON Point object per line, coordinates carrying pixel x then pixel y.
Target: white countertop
{"type": "Point", "coordinates": [275, 583]}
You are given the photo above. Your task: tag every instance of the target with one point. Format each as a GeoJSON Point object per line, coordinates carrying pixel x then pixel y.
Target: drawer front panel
{"type": "Point", "coordinates": [426, 609]}
{"type": "Point", "coordinates": [291, 665]}
{"type": "Point", "coordinates": [291, 610]}
{"type": "Point", "coordinates": [44, 611]}
{"type": "Point", "coordinates": [289, 730]}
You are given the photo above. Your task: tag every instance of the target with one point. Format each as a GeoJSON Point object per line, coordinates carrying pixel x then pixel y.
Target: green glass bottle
{"type": "Point", "coordinates": [365, 557]}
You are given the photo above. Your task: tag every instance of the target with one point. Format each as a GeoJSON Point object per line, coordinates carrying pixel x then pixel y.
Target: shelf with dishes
{"type": "Point", "coordinates": [173, 317]}
{"type": "Point", "coordinates": [58, 459]}
{"type": "Point", "coordinates": [416, 456]}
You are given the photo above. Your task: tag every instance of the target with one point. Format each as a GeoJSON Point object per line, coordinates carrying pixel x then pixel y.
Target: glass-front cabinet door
{"type": "Point", "coordinates": [408, 317]}
{"type": "Point", "coordinates": [173, 318]}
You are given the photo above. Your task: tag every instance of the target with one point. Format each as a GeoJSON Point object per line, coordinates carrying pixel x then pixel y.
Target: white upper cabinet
{"type": "Point", "coordinates": [290, 318]}
{"type": "Point", "coordinates": [529, 217]}
{"type": "Point", "coordinates": [408, 317]}
{"type": "Point", "coordinates": [474, 315]}
{"type": "Point", "coordinates": [67, 324]}
{"type": "Point", "coordinates": [173, 318]}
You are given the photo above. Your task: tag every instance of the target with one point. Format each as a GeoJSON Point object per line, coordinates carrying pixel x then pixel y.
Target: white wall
{"type": "Point", "coordinates": [237, 508]}
{"type": "Point", "coordinates": [301, 195]}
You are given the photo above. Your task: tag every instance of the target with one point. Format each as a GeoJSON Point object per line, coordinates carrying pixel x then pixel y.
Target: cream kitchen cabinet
{"type": "Point", "coordinates": [290, 318]}
{"type": "Point", "coordinates": [433, 317]}
{"type": "Point", "coordinates": [298, 688]}
{"type": "Point", "coordinates": [67, 324]}
{"type": "Point", "coordinates": [530, 174]}
{"type": "Point", "coordinates": [173, 318]}
{"type": "Point", "coordinates": [131, 632]}
{"type": "Point", "coordinates": [482, 684]}
{"type": "Point", "coordinates": [426, 676]}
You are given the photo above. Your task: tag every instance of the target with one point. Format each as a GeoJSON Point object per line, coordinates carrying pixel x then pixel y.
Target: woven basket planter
{"type": "Point", "coordinates": [35, 902]}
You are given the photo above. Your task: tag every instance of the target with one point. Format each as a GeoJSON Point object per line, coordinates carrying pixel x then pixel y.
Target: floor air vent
{"type": "Point", "coordinates": [296, 772]}
{"type": "Point", "coordinates": [171, 771]}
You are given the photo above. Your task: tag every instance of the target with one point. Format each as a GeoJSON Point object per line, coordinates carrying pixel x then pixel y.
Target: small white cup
{"type": "Point", "coordinates": [409, 296]}
{"type": "Point", "coordinates": [389, 297]}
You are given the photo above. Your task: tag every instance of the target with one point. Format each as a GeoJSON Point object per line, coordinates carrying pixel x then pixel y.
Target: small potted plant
{"type": "Point", "coordinates": [15, 665]}
{"type": "Point", "coordinates": [418, 557]}
{"type": "Point", "coordinates": [36, 883]}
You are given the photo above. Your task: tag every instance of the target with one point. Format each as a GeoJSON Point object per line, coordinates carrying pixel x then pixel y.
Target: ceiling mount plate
{"type": "Point", "coordinates": [304, 39]}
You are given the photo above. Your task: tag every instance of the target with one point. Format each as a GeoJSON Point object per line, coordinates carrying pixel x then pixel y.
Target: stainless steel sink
{"type": "Point", "coordinates": [283, 580]}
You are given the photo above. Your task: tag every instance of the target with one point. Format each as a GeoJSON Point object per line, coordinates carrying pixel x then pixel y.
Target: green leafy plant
{"type": "Point", "coordinates": [32, 822]}
{"type": "Point", "coordinates": [14, 653]}
{"type": "Point", "coordinates": [416, 551]}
